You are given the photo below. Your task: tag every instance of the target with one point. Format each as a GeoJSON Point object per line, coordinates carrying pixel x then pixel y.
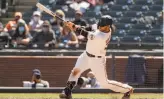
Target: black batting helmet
{"type": "Point", "coordinates": [105, 20]}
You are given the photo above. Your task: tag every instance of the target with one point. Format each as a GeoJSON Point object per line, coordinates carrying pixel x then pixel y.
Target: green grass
{"type": "Point", "coordinates": [79, 96]}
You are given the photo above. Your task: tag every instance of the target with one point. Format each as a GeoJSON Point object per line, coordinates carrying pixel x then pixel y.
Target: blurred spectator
{"type": "Point", "coordinates": [36, 81]}
{"type": "Point", "coordinates": [160, 18]}
{"type": "Point", "coordinates": [150, 19]}
{"type": "Point", "coordinates": [98, 4]}
{"type": "Point", "coordinates": [81, 5]}
{"type": "Point", "coordinates": [4, 6]}
{"type": "Point", "coordinates": [21, 35]}
{"type": "Point", "coordinates": [92, 2]}
{"type": "Point", "coordinates": [1, 27]}
{"type": "Point", "coordinates": [35, 23]}
{"type": "Point", "coordinates": [46, 37]}
{"type": "Point", "coordinates": [147, 20]}
{"type": "Point", "coordinates": [12, 2]}
{"type": "Point", "coordinates": [79, 20]}
{"type": "Point", "coordinates": [11, 25]}
{"type": "Point", "coordinates": [89, 82]}
{"type": "Point", "coordinates": [62, 2]}
{"type": "Point", "coordinates": [67, 38]}
{"type": "Point", "coordinates": [57, 24]}
{"type": "Point", "coordinates": [109, 1]}
{"type": "Point", "coordinates": [4, 37]}
{"type": "Point", "coordinates": [98, 7]}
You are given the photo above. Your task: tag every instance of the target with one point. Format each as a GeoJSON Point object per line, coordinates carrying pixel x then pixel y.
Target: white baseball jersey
{"type": "Point", "coordinates": [97, 43]}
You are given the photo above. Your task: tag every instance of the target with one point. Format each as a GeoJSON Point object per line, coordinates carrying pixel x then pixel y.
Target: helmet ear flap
{"type": "Point", "coordinates": [113, 28]}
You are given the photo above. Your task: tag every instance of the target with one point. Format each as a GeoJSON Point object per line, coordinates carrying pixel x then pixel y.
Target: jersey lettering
{"type": "Point", "coordinates": [91, 37]}
{"type": "Point", "coordinates": [107, 41]}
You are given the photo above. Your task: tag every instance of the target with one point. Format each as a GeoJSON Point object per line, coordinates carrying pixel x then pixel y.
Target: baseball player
{"type": "Point", "coordinates": [36, 81]}
{"type": "Point", "coordinates": [94, 58]}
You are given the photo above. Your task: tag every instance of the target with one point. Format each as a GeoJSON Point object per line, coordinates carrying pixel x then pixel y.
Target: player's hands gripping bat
{"type": "Point", "coordinates": [70, 25]}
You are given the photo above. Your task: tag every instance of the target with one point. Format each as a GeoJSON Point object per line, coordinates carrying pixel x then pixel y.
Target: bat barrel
{"type": "Point", "coordinates": [43, 8]}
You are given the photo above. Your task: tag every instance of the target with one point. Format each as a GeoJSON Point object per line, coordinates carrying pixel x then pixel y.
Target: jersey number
{"type": "Point", "coordinates": [91, 36]}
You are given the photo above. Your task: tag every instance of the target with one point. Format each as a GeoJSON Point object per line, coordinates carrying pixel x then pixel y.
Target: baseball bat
{"type": "Point", "coordinates": [43, 8]}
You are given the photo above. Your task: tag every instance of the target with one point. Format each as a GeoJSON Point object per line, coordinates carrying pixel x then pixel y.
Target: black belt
{"type": "Point", "coordinates": [91, 55]}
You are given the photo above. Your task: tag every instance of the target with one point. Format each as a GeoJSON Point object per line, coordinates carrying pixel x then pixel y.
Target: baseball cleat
{"type": "Point", "coordinates": [64, 96]}
{"type": "Point", "coordinates": [127, 95]}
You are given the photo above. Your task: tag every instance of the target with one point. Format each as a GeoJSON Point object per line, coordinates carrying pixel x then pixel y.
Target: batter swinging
{"type": "Point", "coordinates": [94, 58]}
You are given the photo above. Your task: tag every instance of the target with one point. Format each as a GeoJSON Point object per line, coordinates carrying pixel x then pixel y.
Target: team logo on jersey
{"type": "Point", "coordinates": [91, 36]}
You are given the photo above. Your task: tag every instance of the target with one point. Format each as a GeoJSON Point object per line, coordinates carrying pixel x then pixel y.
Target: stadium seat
{"type": "Point", "coordinates": [82, 46]}
{"type": "Point", "coordinates": [70, 14]}
{"type": "Point", "coordinates": [27, 20]}
{"type": "Point", "coordinates": [123, 26]}
{"type": "Point", "coordinates": [57, 7]}
{"type": "Point", "coordinates": [45, 2]}
{"type": "Point", "coordinates": [119, 33]}
{"type": "Point", "coordinates": [4, 40]}
{"type": "Point", "coordinates": [152, 40]}
{"type": "Point", "coordinates": [28, 14]}
{"type": "Point", "coordinates": [144, 2]}
{"type": "Point", "coordinates": [113, 13]}
{"type": "Point", "coordinates": [45, 15]}
{"type": "Point", "coordinates": [130, 40]}
{"type": "Point", "coordinates": [125, 20]}
{"type": "Point", "coordinates": [158, 26]}
{"type": "Point", "coordinates": [91, 14]}
{"type": "Point", "coordinates": [133, 14]}
{"type": "Point", "coordinates": [90, 20]}
{"type": "Point", "coordinates": [142, 26]}
{"type": "Point", "coordinates": [139, 8]}
{"type": "Point", "coordinates": [115, 20]}
{"type": "Point", "coordinates": [136, 32]}
{"type": "Point", "coordinates": [155, 32]}
{"type": "Point", "coordinates": [125, 2]}
{"type": "Point", "coordinates": [105, 7]}
{"type": "Point", "coordinates": [158, 2]}
{"type": "Point", "coordinates": [119, 8]}
{"type": "Point", "coordinates": [150, 13]}
{"type": "Point", "coordinates": [115, 40]}
{"type": "Point", "coordinates": [156, 8]}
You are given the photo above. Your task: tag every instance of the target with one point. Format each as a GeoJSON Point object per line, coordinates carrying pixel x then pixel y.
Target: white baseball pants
{"type": "Point", "coordinates": [98, 66]}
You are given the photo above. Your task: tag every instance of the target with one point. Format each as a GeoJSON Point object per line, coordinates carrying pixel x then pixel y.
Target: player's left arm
{"type": "Point", "coordinates": [80, 30]}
